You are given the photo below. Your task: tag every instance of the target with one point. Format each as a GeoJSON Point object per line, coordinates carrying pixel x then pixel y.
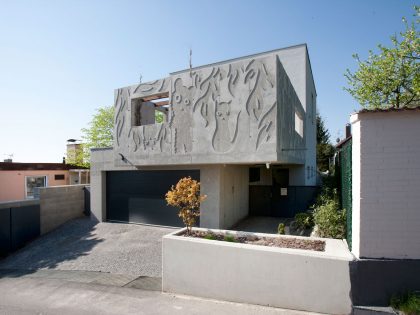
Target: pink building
{"type": "Point", "coordinates": [18, 180]}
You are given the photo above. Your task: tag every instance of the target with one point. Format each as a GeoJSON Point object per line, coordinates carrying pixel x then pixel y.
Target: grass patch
{"type": "Point", "coordinates": [229, 238]}
{"type": "Point", "coordinates": [408, 302]}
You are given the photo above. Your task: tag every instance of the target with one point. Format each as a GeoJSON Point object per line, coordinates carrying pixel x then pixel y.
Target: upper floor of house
{"type": "Point", "coordinates": [253, 109]}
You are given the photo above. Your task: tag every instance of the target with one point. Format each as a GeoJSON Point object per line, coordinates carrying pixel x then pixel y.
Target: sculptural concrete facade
{"type": "Point", "coordinates": [255, 110]}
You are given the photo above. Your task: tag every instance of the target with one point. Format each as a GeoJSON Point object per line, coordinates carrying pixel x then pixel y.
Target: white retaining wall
{"type": "Point", "coordinates": [386, 184]}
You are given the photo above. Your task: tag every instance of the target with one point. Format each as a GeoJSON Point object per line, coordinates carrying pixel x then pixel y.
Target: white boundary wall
{"type": "Point", "coordinates": [280, 277]}
{"type": "Point", "coordinates": [386, 184]}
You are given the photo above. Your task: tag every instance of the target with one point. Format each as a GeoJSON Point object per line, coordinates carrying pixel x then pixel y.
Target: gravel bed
{"type": "Point", "coordinates": [284, 242]}
{"type": "Point", "coordinates": [84, 245]}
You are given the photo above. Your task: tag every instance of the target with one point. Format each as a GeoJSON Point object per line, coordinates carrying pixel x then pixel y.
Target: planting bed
{"type": "Point", "coordinates": [296, 243]}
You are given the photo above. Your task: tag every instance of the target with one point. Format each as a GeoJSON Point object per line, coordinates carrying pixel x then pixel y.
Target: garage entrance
{"type": "Point", "coordinates": [139, 196]}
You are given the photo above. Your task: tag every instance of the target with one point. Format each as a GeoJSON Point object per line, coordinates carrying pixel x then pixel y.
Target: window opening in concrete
{"type": "Point", "coordinates": [254, 174]}
{"type": "Point", "coordinates": [299, 124]}
{"type": "Point", "coordinates": [150, 110]}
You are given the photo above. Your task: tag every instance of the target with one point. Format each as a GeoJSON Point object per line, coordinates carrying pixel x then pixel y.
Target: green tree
{"type": "Point", "coordinates": [391, 78]}
{"type": "Point", "coordinates": [97, 135]}
{"type": "Point", "coordinates": [324, 149]}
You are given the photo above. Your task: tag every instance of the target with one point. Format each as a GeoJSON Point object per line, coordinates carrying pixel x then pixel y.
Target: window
{"type": "Point", "coordinates": [59, 177]}
{"type": "Point", "coordinates": [32, 182]}
{"type": "Point", "coordinates": [298, 124]}
{"type": "Point", "coordinates": [254, 174]}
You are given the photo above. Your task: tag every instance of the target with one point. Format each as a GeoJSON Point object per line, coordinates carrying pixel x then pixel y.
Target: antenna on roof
{"type": "Point", "coordinates": [140, 78]}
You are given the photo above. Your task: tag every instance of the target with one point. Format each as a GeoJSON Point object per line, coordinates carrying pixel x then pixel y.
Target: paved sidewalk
{"type": "Point", "coordinates": [23, 295]}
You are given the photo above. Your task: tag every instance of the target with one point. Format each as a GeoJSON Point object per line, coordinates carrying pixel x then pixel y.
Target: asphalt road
{"type": "Point", "coordinates": [25, 295]}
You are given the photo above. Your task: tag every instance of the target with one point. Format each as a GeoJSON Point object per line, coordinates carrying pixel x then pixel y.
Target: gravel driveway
{"type": "Point", "coordinates": [84, 245]}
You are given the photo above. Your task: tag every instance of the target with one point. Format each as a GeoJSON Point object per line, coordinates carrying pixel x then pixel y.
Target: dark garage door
{"type": "Point", "coordinates": [139, 196]}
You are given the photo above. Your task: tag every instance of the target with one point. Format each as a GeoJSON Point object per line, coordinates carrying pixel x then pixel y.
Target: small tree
{"type": "Point", "coordinates": [324, 149]}
{"type": "Point", "coordinates": [97, 135]}
{"type": "Point", "coordinates": [186, 196]}
{"type": "Point", "coordinates": [390, 79]}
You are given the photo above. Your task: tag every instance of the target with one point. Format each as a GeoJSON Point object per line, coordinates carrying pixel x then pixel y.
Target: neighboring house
{"type": "Point", "coordinates": [19, 180]}
{"type": "Point", "coordinates": [246, 128]}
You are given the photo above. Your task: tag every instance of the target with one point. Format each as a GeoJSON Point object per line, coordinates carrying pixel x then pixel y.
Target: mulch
{"type": "Point", "coordinates": [283, 242]}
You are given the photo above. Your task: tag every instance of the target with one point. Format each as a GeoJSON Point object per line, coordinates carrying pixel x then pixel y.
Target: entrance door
{"type": "Point", "coordinates": [281, 194]}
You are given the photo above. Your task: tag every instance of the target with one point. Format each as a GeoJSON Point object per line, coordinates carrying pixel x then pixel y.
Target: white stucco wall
{"type": "Point", "coordinates": [280, 277]}
{"type": "Point", "coordinates": [386, 184]}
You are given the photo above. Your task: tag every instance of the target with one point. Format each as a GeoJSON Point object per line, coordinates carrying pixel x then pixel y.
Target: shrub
{"type": "Point", "coordinates": [304, 220]}
{"type": "Point", "coordinates": [229, 238]}
{"type": "Point", "coordinates": [331, 221]}
{"type": "Point", "coordinates": [281, 229]}
{"type": "Point", "coordinates": [186, 196]}
{"type": "Point", "coordinates": [408, 302]}
{"type": "Point", "coordinates": [210, 236]}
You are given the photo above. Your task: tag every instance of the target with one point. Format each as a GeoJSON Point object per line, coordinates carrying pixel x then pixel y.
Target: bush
{"type": "Point", "coordinates": [304, 220]}
{"type": "Point", "coordinates": [281, 229]}
{"type": "Point", "coordinates": [331, 221]}
{"type": "Point", "coordinates": [408, 302]}
{"type": "Point", "coordinates": [229, 238]}
{"type": "Point", "coordinates": [186, 196]}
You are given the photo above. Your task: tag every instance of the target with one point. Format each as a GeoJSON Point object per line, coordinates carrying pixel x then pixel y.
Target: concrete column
{"type": "Point", "coordinates": [98, 196]}
{"type": "Point", "coordinates": [210, 178]}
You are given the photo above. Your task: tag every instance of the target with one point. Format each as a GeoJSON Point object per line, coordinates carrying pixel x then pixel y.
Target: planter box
{"type": "Point", "coordinates": [280, 277]}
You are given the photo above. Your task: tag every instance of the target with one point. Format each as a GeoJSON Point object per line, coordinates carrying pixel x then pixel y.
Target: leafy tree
{"type": "Point", "coordinates": [97, 135]}
{"type": "Point", "coordinates": [324, 149]}
{"type": "Point", "coordinates": [186, 196]}
{"type": "Point", "coordinates": [390, 79]}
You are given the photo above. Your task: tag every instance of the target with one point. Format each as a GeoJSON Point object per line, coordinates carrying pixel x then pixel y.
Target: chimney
{"type": "Point", "coordinates": [348, 130]}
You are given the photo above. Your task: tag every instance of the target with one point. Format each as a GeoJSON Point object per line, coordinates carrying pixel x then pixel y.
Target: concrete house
{"type": "Point", "coordinates": [245, 127]}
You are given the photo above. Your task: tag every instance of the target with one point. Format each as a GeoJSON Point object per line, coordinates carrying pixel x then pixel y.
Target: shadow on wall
{"type": "Point", "coordinates": [70, 241]}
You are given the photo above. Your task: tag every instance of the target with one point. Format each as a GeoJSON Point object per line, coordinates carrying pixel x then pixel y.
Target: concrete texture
{"type": "Point", "coordinates": [386, 181]}
{"type": "Point", "coordinates": [226, 187]}
{"type": "Point", "coordinates": [81, 244]}
{"type": "Point", "coordinates": [235, 111]}
{"type": "Point", "coordinates": [60, 204]}
{"type": "Point", "coordinates": [22, 296]}
{"type": "Point", "coordinates": [281, 277]}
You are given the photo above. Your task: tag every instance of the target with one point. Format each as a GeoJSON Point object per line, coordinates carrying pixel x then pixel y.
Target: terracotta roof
{"type": "Point", "coordinates": [15, 166]}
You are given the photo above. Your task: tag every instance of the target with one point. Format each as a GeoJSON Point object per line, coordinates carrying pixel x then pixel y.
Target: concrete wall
{"type": "Point", "coordinates": [60, 204]}
{"type": "Point", "coordinates": [227, 193]}
{"type": "Point", "coordinates": [13, 183]}
{"type": "Point", "coordinates": [226, 188]}
{"type": "Point", "coordinates": [221, 113]}
{"type": "Point", "coordinates": [280, 277]}
{"type": "Point", "coordinates": [386, 181]}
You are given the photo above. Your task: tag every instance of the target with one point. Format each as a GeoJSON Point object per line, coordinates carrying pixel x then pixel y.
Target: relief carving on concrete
{"type": "Point", "coordinates": [180, 119]}
{"type": "Point", "coordinates": [223, 108]}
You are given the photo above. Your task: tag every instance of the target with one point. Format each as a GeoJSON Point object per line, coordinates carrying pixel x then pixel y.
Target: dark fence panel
{"type": "Point", "coordinates": [19, 224]}
{"type": "Point", "coordinates": [25, 225]}
{"type": "Point", "coordinates": [87, 201]}
{"type": "Point", "coordinates": [5, 237]}
{"type": "Point", "coordinates": [345, 184]}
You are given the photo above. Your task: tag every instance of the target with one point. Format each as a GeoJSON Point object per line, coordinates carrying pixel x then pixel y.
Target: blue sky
{"type": "Point", "coordinates": [60, 60]}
